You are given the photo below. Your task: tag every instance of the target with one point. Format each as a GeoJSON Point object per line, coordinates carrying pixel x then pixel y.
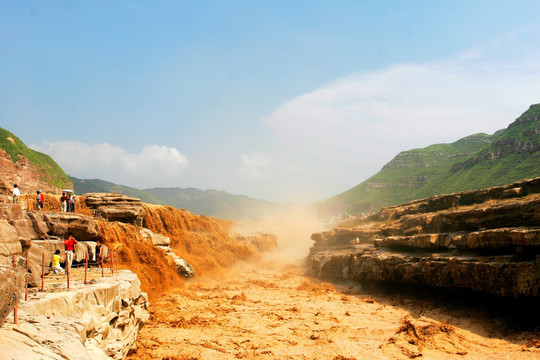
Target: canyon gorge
{"type": "Point", "coordinates": [454, 276]}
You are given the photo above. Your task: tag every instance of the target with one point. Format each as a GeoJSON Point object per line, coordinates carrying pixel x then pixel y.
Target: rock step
{"type": "Point", "coordinates": [525, 212]}
{"type": "Point", "coordinates": [465, 198]}
{"type": "Point", "coordinates": [510, 239]}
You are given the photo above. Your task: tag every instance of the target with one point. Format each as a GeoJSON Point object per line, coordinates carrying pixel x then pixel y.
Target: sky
{"type": "Point", "coordinates": [288, 101]}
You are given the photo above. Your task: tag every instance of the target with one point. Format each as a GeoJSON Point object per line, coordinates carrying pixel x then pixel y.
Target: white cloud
{"type": "Point", "coordinates": [153, 166]}
{"type": "Point", "coordinates": [412, 104]}
{"type": "Point", "coordinates": [350, 128]}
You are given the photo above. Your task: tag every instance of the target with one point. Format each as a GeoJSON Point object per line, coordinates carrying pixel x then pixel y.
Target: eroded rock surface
{"type": "Point", "coordinates": [116, 207]}
{"type": "Point", "coordinates": [10, 290]}
{"type": "Point", "coordinates": [100, 320]}
{"type": "Point", "coordinates": [486, 241]}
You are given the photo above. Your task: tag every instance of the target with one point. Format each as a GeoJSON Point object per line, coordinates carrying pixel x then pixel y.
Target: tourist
{"type": "Point", "coordinates": [55, 264]}
{"type": "Point", "coordinates": [72, 204]}
{"type": "Point", "coordinates": [69, 245]}
{"type": "Point", "coordinates": [16, 194]}
{"type": "Point", "coordinates": [64, 200]}
{"type": "Point", "coordinates": [39, 200]}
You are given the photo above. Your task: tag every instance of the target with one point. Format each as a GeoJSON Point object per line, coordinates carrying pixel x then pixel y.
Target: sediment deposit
{"type": "Point", "coordinates": [271, 310]}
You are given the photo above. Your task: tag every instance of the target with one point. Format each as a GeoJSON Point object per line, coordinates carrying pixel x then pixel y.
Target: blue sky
{"type": "Point", "coordinates": [277, 100]}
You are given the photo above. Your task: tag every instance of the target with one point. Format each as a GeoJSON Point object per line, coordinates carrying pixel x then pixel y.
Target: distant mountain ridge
{"type": "Point", "coordinates": [474, 162]}
{"type": "Point", "coordinates": [220, 204]}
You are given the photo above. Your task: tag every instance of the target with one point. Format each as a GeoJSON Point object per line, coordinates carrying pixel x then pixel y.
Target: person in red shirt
{"type": "Point", "coordinates": [69, 245]}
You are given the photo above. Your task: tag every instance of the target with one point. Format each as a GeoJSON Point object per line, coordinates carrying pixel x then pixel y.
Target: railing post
{"type": "Point", "coordinates": [85, 266]}
{"type": "Point", "coordinates": [111, 263]}
{"type": "Point", "coordinates": [42, 272]}
{"type": "Point", "coordinates": [26, 279]}
{"type": "Point", "coordinates": [16, 308]}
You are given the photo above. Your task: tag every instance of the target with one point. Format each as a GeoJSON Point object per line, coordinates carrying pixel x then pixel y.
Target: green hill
{"type": "Point", "coordinates": [214, 203]}
{"type": "Point", "coordinates": [474, 162]}
{"type": "Point", "coordinates": [49, 171]}
{"type": "Point", "coordinates": [82, 186]}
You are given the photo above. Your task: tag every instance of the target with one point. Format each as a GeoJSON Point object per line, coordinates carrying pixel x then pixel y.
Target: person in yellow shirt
{"type": "Point", "coordinates": [55, 264]}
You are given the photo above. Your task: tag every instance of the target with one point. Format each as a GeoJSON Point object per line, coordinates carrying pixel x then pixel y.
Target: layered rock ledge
{"type": "Point", "coordinates": [100, 320]}
{"type": "Point", "coordinates": [116, 207]}
{"type": "Point", "coordinates": [487, 241]}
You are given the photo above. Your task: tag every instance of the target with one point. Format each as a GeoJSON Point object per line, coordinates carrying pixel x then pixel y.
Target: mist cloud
{"type": "Point", "coordinates": [154, 165]}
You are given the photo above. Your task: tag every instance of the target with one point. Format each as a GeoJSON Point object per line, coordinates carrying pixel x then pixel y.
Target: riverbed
{"type": "Point", "coordinates": [273, 310]}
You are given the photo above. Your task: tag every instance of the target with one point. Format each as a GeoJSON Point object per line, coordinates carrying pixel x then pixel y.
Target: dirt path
{"type": "Point", "coordinates": [273, 311]}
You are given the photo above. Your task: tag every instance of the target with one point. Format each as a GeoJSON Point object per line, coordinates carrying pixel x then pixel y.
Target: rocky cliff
{"type": "Point", "coordinates": [29, 169]}
{"type": "Point", "coordinates": [486, 241]}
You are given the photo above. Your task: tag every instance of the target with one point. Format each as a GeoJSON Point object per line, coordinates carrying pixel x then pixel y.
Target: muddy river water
{"type": "Point", "coordinates": [272, 310]}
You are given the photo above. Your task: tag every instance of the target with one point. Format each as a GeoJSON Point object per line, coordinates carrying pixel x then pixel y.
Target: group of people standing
{"type": "Point", "coordinates": [16, 192]}
{"type": "Point", "coordinates": [69, 246]}
{"type": "Point", "coordinates": [68, 205]}
{"type": "Point", "coordinates": [68, 202]}
{"type": "Point", "coordinates": [67, 199]}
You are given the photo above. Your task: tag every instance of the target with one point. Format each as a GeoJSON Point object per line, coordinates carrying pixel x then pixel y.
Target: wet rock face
{"type": "Point", "coordinates": [115, 207]}
{"type": "Point", "coordinates": [486, 241]}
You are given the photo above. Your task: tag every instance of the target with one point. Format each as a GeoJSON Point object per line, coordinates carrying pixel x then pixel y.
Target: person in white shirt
{"type": "Point", "coordinates": [16, 194]}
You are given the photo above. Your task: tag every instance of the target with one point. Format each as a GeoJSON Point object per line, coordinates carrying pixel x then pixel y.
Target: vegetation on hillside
{"type": "Point", "coordinates": [50, 172]}
{"type": "Point", "coordinates": [83, 186]}
{"type": "Point", "coordinates": [474, 162]}
{"type": "Point", "coordinates": [220, 204]}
